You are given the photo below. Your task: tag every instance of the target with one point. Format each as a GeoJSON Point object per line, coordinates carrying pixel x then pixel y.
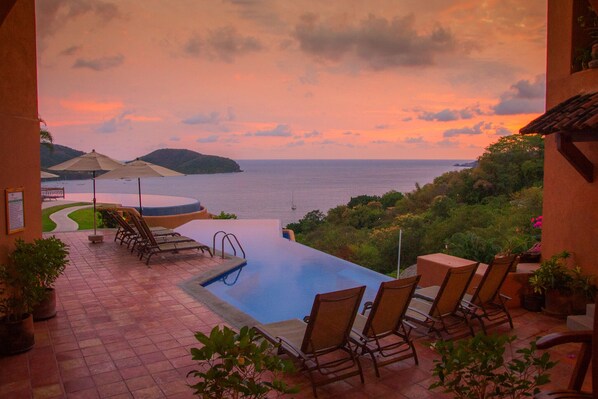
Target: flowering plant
{"type": "Point", "coordinates": [537, 222]}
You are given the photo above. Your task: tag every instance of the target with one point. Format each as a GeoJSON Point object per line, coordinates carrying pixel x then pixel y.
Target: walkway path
{"type": "Point", "coordinates": [63, 222]}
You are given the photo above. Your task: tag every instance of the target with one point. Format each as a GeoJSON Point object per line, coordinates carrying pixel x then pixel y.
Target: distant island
{"type": "Point", "coordinates": [183, 161]}
{"type": "Point", "coordinates": [191, 162]}
{"type": "Point", "coordinates": [471, 164]}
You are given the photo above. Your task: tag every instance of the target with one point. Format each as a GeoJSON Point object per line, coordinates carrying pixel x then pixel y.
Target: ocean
{"type": "Point", "coordinates": [267, 189]}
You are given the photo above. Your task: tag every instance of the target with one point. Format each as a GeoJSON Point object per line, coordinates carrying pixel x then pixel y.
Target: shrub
{"type": "Point", "coordinates": [224, 215]}
{"type": "Point", "coordinates": [237, 365]}
{"type": "Point", "coordinates": [476, 368]}
{"type": "Point", "coordinates": [105, 220]}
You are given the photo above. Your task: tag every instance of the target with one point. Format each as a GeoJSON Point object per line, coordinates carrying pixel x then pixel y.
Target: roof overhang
{"type": "Point", "coordinates": [572, 121]}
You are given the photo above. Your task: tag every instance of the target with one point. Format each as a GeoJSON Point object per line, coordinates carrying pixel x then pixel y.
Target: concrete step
{"type": "Point", "coordinates": [580, 322]}
{"type": "Point", "coordinates": [590, 309]}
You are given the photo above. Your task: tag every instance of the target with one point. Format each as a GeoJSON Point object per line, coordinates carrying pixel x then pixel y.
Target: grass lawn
{"type": "Point", "coordinates": [47, 223]}
{"type": "Point", "coordinates": [83, 217]}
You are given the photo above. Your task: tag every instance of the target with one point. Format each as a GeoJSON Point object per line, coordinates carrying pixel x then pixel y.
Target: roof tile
{"type": "Point", "coordinates": [575, 114]}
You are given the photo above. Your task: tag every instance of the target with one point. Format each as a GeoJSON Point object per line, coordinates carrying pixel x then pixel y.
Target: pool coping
{"type": "Point", "coordinates": [230, 313]}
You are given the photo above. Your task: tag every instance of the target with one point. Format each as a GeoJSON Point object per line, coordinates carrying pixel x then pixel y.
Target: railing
{"type": "Point", "coordinates": [227, 236]}
{"type": "Point", "coordinates": [52, 193]}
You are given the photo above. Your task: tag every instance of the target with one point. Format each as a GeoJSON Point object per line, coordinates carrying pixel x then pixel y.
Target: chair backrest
{"type": "Point", "coordinates": [141, 226]}
{"type": "Point", "coordinates": [121, 221]}
{"type": "Point", "coordinates": [390, 305]}
{"type": "Point", "coordinates": [330, 321]}
{"type": "Point", "coordinates": [452, 290]}
{"type": "Point", "coordinates": [493, 279]}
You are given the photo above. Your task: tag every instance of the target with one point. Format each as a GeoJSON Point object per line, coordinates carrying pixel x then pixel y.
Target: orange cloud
{"type": "Point", "coordinates": [92, 106]}
{"type": "Point", "coordinates": [141, 118]}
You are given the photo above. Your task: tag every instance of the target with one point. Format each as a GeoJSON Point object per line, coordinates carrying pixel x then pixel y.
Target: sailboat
{"type": "Point", "coordinates": [293, 206]}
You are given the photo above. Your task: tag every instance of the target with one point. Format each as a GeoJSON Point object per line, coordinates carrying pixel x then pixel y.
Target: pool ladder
{"type": "Point", "coordinates": [227, 236]}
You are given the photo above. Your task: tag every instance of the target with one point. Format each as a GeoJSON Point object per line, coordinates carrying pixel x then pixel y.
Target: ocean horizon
{"type": "Point", "coordinates": [268, 189]}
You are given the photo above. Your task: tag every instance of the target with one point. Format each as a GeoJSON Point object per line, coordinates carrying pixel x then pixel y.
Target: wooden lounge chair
{"type": "Point", "coordinates": [321, 345]}
{"type": "Point", "coordinates": [588, 352]}
{"type": "Point", "coordinates": [160, 237]}
{"type": "Point", "coordinates": [383, 333]}
{"type": "Point", "coordinates": [487, 304]}
{"type": "Point", "coordinates": [151, 245]}
{"type": "Point", "coordinates": [441, 314]}
{"type": "Point", "coordinates": [124, 232]}
{"type": "Point", "coordinates": [127, 233]}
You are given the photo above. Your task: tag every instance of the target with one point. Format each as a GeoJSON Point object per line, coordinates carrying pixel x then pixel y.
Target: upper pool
{"type": "Point", "coordinates": [153, 205]}
{"type": "Point", "coordinates": [281, 277]}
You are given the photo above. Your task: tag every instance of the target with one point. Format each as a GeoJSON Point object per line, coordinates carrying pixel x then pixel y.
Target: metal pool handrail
{"type": "Point", "coordinates": [227, 236]}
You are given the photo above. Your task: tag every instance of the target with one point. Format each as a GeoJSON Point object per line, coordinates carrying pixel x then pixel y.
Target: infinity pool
{"type": "Point", "coordinates": [281, 277]}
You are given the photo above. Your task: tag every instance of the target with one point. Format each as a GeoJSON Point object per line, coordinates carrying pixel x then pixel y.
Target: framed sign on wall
{"type": "Point", "coordinates": [15, 210]}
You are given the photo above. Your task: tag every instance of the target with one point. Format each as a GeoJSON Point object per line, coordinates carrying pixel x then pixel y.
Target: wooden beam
{"type": "Point", "coordinates": [575, 157]}
{"type": "Point", "coordinates": [583, 136]}
{"type": "Point", "coordinates": [5, 7]}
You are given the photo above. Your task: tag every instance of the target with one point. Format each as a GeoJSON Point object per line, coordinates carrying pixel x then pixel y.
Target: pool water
{"type": "Point", "coordinates": [281, 277]}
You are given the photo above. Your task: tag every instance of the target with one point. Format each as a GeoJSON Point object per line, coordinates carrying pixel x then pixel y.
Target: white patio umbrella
{"type": "Point", "coordinates": [48, 175]}
{"type": "Point", "coordinates": [138, 169]}
{"type": "Point", "coordinates": [90, 162]}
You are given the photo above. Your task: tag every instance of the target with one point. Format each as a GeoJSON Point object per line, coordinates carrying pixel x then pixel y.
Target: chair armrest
{"type": "Point", "coordinates": [366, 306]}
{"type": "Point", "coordinates": [505, 297]}
{"type": "Point", "coordinates": [426, 315]}
{"type": "Point", "coordinates": [410, 325]}
{"type": "Point", "coordinates": [550, 340]}
{"type": "Point", "coordinates": [423, 296]}
{"type": "Point", "coordinates": [291, 349]}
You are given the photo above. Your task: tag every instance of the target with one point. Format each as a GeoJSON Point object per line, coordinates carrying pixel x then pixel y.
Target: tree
{"type": "Point", "coordinates": [512, 163]}
{"type": "Point", "coordinates": [45, 137]}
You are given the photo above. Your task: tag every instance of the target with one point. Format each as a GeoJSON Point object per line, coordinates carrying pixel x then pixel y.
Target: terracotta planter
{"type": "Point", "coordinates": [578, 303]}
{"type": "Point", "coordinates": [16, 336]}
{"type": "Point", "coordinates": [532, 302]}
{"type": "Point", "coordinates": [46, 309]}
{"type": "Point", "coordinates": [561, 305]}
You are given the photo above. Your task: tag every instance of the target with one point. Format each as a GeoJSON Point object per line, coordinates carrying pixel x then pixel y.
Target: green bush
{"type": "Point", "coordinates": [106, 221]}
{"type": "Point", "coordinates": [476, 368]}
{"type": "Point", "coordinates": [224, 215]}
{"type": "Point", "coordinates": [237, 365]}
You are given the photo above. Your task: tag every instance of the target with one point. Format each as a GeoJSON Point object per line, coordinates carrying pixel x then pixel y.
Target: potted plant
{"type": "Point", "coordinates": [47, 258]}
{"type": "Point", "coordinates": [564, 288]}
{"type": "Point", "coordinates": [20, 291]}
{"type": "Point", "coordinates": [476, 368]}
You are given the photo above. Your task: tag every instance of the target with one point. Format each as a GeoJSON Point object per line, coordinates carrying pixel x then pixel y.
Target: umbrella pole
{"type": "Point", "coordinates": [94, 203]}
{"type": "Point", "coordinates": [139, 189]}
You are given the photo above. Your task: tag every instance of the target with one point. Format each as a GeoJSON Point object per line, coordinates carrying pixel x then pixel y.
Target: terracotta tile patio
{"type": "Point", "coordinates": [124, 330]}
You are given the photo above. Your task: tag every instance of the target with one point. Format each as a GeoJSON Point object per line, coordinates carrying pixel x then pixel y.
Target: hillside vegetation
{"type": "Point", "coordinates": [183, 161]}
{"type": "Point", "coordinates": [473, 213]}
{"type": "Point", "coordinates": [191, 162]}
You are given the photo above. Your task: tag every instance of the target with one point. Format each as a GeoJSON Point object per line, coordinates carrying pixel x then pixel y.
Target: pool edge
{"type": "Point", "coordinates": [228, 312]}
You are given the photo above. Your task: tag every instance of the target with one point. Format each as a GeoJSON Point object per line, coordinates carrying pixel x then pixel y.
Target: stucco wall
{"type": "Point", "coordinates": [19, 126]}
{"type": "Point", "coordinates": [570, 202]}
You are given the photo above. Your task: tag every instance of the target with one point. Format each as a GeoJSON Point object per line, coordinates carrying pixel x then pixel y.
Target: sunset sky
{"type": "Point", "coordinates": [271, 79]}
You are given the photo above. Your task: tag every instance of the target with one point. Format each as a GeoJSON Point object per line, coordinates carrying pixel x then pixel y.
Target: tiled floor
{"type": "Point", "coordinates": [124, 330]}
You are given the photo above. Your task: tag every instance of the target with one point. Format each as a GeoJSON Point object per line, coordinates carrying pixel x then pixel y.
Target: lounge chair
{"type": "Point", "coordinates": [151, 245]}
{"type": "Point", "coordinates": [383, 333]}
{"type": "Point", "coordinates": [161, 236]}
{"type": "Point", "coordinates": [441, 314]}
{"type": "Point", "coordinates": [124, 232]}
{"type": "Point", "coordinates": [487, 304]}
{"type": "Point", "coordinates": [127, 231]}
{"type": "Point", "coordinates": [321, 345]}
{"type": "Point", "coordinates": [588, 352]}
